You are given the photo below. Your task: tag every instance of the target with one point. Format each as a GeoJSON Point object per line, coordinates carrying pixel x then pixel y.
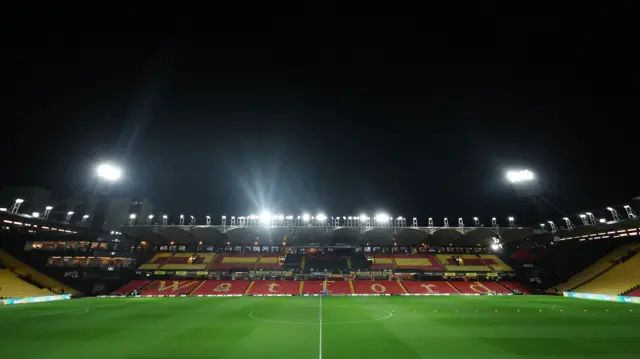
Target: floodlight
{"type": "Point", "coordinates": [520, 176]}
{"type": "Point", "coordinates": [164, 216]}
{"type": "Point", "coordinates": [565, 218]}
{"type": "Point", "coordinates": [305, 217]}
{"type": "Point", "coordinates": [511, 218]}
{"type": "Point", "coordinates": [85, 216]}
{"type": "Point", "coordinates": [151, 216]}
{"type": "Point", "coordinates": [265, 217]}
{"type": "Point", "coordinates": [131, 216]}
{"type": "Point", "coordinates": [19, 200]}
{"type": "Point", "coordinates": [602, 220]}
{"type": "Point", "coordinates": [363, 217]}
{"type": "Point", "coordinates": [321, 217]}
{"type": "Point", "coordinates": [70, 213]}
{"type": "Point", "coordinates": [382, 217]}
{"type": "Point", "coordinates": [583, 215]}
{"type": "Point", "coordinates": [48, 208]}
{"type": "Point", "coordinates": [475, 218]}
{"type": "Point", "coordinates": [281, 217]}
{"type": "Point", "coordinates": [609, 209]}
{"type": "Point", "coordinates": [35, 214]}
{"type": "Point", "coordinates": [109, 172]}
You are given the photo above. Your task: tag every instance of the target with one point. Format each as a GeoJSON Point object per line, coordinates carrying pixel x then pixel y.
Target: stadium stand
{"type": "Point", "coordinates": [617, 280]}
{"type": "Point", "coordinates": [269, 261]}
{"type": "Point", "coordinates": [228, 261]}
{"type": "Point", "coordinates": [600, 266]}
{"type": "Point", "coordinates": [359, 261]}
{"type": "Point", "coordinates": [265, 287]}
{"type": "Point", "coordinates": [383, 261]}
{"type": "Point", "coordinates": [634, 292]}
{"type": "Point", "coordinates": [155, 262]}
{"type": "Point", "coordinates": [325, 262]}
{"type": "Point", "coordinates": [480, 287]}
{"type": "Point", "coordinates": [25, 270]}
{"type": "Point", "coordinates": [170, 287]}
{"type": "Point", "coordinates": [511, 286]}
{"type": "Point", "coordinates": [495, 263]}
{"type": "Point", "coordinates": [11, 286]}
{"type": "Point", "coordinates": [472, 263]}
{"type": "Point", "coordinates": [188, 261]}
{"type": "Point", "coordinates": [333, 287]}
{"type": "Point", "coordinates": [378, 287]}
{"type": "Point", "coordinates": [293, 261]}
{"type": "Point", "coordinates": [222, 287]}
{"type": "Point", "coordinates": [131, 286]}
{"type": "Point", "coordinates": [441, 287]}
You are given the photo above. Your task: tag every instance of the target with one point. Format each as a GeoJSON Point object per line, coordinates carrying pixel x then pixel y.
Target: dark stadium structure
{"type": "Point", "coordinates": [64, 257]}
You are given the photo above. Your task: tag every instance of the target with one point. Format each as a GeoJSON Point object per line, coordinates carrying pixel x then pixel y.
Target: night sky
{"type": "Point", "coordinates": [416, 116]}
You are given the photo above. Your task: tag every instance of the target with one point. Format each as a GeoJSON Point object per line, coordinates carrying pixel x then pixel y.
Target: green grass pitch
{"type": "Point", "coordinates": [329, 327]}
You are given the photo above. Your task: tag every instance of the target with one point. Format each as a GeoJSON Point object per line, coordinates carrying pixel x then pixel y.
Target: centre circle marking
{"type": "Point", "coordinates": [389, 315]}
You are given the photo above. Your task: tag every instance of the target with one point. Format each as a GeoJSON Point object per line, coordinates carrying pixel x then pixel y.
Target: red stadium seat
{"type": "Point", "coordinates": [378, 287]}
{"type": "Point", "coordinates": [266, 287]}
{"type": "Point", "coordinates": [441, 287]}
{"type": "Point", "coordinates": [131, 286]}
{"type": "Point", "coordinates": [515, 285]}
{"type": "Point", "coordinates": [222, 287]}
{"type": "Point", "coordinates": [171, 287]}
{"type": "Point", "coordinates": [333, 287]}
{"type": "Point", "coordinates": [480, 287]}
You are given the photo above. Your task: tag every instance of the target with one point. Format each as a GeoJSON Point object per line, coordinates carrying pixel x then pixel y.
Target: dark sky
{"type": "Point", "coordinates": [415, 115]}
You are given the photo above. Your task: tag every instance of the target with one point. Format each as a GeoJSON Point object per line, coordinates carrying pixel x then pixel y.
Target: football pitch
{"type": "Point", "coordinates": [321, 327]}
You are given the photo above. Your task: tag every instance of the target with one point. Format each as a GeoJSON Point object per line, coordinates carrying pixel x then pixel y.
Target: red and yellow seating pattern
{"type": "Point", "coordinates": [480, 287]}
{"type": "Point", "coordinates": [378, 287]}
{"type": "Point", "coordinates": [265, 287]}
{"type": "Point", "coordinates": [284, 287]}
{"type": "Point", "coordinates": [155, 262]}
{"type": "Point", "coordinates": [441, 287]}
{"type": "Point", "coordinates": [270, 261]}
{"type": "Point", "coordinates": [222, 287]}
{"type": "Point", "coordinates": [495, 263]}
{"type": "Point", "coordinates": [425, 262]}
{"type": "Point", "coordinates": [171, 287]}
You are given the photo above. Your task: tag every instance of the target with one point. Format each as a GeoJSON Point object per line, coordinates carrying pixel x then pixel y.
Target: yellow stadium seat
{"type": "Point", "coordinates": [14, 287]}
{"type": "Point", "coordinates": [596, 268]}
{"type": "Point", "coordinates": [12, 262]}
{"type": "Point", "coordinates": [617, 280]}
{"type": "Point", "coordinates": [413, 262]}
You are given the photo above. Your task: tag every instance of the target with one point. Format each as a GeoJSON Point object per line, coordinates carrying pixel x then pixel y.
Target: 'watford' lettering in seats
{"type": "Point", "coordinates": [171, 287]}
{"type": "Point", "coordinates": [271, 287]}
{"type": "Point", "coordinates": [222, 287]}
{"type": "Point", "coordinates": [377, 287]}
{"type": "Point", "coordinates": [332, 287]}
{"type": "Point", "coordinates": [480, 287]}
{"type": "Point", "coordinates": [429, 287]}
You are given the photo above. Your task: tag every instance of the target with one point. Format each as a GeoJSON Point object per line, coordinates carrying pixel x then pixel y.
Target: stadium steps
{"type": "Point", "coordinates": [349, 262]}
{"type": "Point", "coordinates": [617, 280]}
{"type": "Point", "coordinates": [195, 289]}
{"type": "Point", "coordinates": [249, 287]}
{"type": "Point", "coordinates": [596, 269]}
{"type": "Point", "coordinates": [302, 262]}
{"type": "Point", "coordinates": [402, 286]}
{"type": "Point", "coordinates": [301, 288]}
{"type": "Point", "coordinates": [353, 290]}
{"type": "Point", "coordinates": [24, 269]}
{"type": "Point", "coordinates": [454, 287]}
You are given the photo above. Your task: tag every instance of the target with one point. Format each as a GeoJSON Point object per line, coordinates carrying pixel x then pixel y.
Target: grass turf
{"type": "Point", "coordinates": [352, 327]}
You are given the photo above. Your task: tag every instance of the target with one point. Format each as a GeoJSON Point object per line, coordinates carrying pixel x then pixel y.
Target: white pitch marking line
{"type": "Point", "coordinates": [320, 350]}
